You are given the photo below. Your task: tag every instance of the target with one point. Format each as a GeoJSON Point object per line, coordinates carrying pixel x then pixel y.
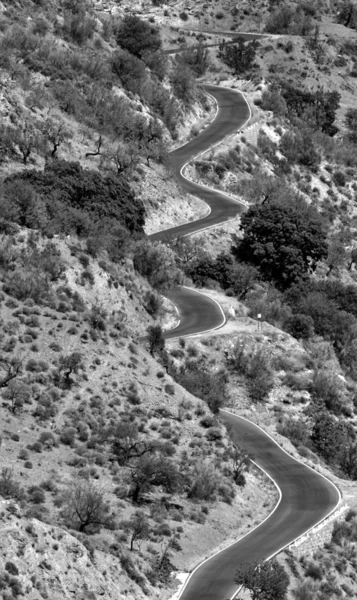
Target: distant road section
{"type": "Point", "coordinates": [248, 37]}
{"type": "Point", "coordinates": [233, 113]}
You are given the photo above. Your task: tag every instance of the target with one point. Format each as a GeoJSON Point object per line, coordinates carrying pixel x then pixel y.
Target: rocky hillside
{"type": "Point", "coordinates": [113, 459]}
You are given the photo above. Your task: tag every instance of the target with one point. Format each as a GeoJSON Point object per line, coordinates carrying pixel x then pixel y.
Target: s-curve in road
{"type": "Point", "coordinates": [199, 313]}
{"type": "Point", "coordinates": [306, 498]}
{"type": "Point", "coordinates": [233, 113]}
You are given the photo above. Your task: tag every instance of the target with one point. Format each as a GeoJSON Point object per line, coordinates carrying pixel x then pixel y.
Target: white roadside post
{"type": "Point", "coordinates": [259, 317]}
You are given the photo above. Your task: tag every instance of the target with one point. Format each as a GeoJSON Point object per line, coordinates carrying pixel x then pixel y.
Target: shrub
{"type": "Point", "coordinates": [23, 454]}
{"type": "Point", "coordinates": [68, 436]}
{"type": "Point", "coordinates": [36, 495]}
{"type": "Point", "coordinates": [28, 464]}
{"type": "Point", "coordinates": [296, 431]}
{"type": "Point", "coordinates": [169, 389]}
{"type": "Point", "coordinates": [11, 568]}
{"type": "Point", "coordinates": [80, 27]}
{"type": "Point", "coordinates": [207, 421]}
{"type": "Point", "coordinates": [327, 387]}
{"type": "Point", "coordinates": [339, 178]}
{"type": "Point", "coordinates": [137, 36]}
{"type": "Point", "coordinates": [314, 571]}
{"type": "Point", "coordinates": [37, 447]}
{"type": "Point", "coordinates": [300, 326]}
{"type": "Point", "coordinates": [204, 482]}
{"type": "Point", "coordinates": [31, 365]}
{"type": "Point", "coordinates": [213, 434]}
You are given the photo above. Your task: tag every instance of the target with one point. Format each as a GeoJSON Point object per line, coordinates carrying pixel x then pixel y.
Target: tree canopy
{"type": "Point", "coordinates": [239, 56]}
{"type": "Point", "coordinates": [137, 36]}
{"type": "Point", "coordinates": [73, 198]}
{"type": "Point", "coordinates": [267, 581]}
{"type": "Point", "coordinates": [285, 242]}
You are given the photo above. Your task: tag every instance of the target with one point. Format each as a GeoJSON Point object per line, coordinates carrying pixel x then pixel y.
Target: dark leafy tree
{"type": "Point", "coordinates": [200, 381]}
{"type": "Point", "coordinates": [284, 242]}
{"type": "Point", "coordinates": [318, 108]}
{"type": "Point", "coordinates": [239, 56]}
{"type": "Point", "coordinates": [130, 70]}
{"type": "Point", "coordinates": [70, 364]}
{"type": "Point", "coordinates": [138, 36]}
{"type": "Point", "coordinates": [351, 123]}
{"type": "Point", "coordinates": [16, 394]}
{"type": "Point", "coordinates": [329, 436]}
{"type": "Point", "coordinates": [300, 326]}
{"type": "Point", "coordinates": [183, 83]}
{"type": "Point", "coordinates": [156, 339]}
{"type": "Point", "coordinates": [267, 581]}
{"type": "Point", "coordinates": [75, 198]}
{"type": "Point", "coordinates": [154, 470]}
{"type": "Point", "coordinates": [329, 320]}
{"type": "Point", "coordinates": [126, 443]}
{"type": "Point", "coordinates": [244, 278]}
{"type": "Point", "coordinates": [348, 460]}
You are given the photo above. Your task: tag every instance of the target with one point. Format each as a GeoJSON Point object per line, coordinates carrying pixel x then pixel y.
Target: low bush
{"type": "Point", "coordinates": [296, 431]}
{"type": "Point", "coordinates": [204, 482]}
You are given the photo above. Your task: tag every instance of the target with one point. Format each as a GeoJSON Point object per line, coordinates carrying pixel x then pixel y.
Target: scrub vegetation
{"type": "Point", "coordinates": [112, 451]}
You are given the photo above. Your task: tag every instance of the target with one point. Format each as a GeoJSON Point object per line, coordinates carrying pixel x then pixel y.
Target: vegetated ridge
{"type": "Point", "coordinates": [111, 449]}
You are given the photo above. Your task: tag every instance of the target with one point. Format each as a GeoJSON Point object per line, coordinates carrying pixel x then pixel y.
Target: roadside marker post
{"type": "Point", "coordinates": [259, 317]}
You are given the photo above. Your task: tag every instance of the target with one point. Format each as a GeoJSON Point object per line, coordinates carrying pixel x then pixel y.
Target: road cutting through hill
{"type": "Point", "coordinates": [305, 496]}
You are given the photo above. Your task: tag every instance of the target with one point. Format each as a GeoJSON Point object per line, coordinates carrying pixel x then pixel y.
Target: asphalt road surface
{"type": "Point", "coordinates": [306, 499]}
{"type": "Point", "coordinates": [199, 313]}
{"type": "Point", "coordinates": [233, 113]}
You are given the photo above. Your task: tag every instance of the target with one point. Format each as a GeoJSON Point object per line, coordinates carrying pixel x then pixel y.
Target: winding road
{"type": "Point", "coordinates": [306, 497]}
{"type": "Point", "coordinates": [199, 313]}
